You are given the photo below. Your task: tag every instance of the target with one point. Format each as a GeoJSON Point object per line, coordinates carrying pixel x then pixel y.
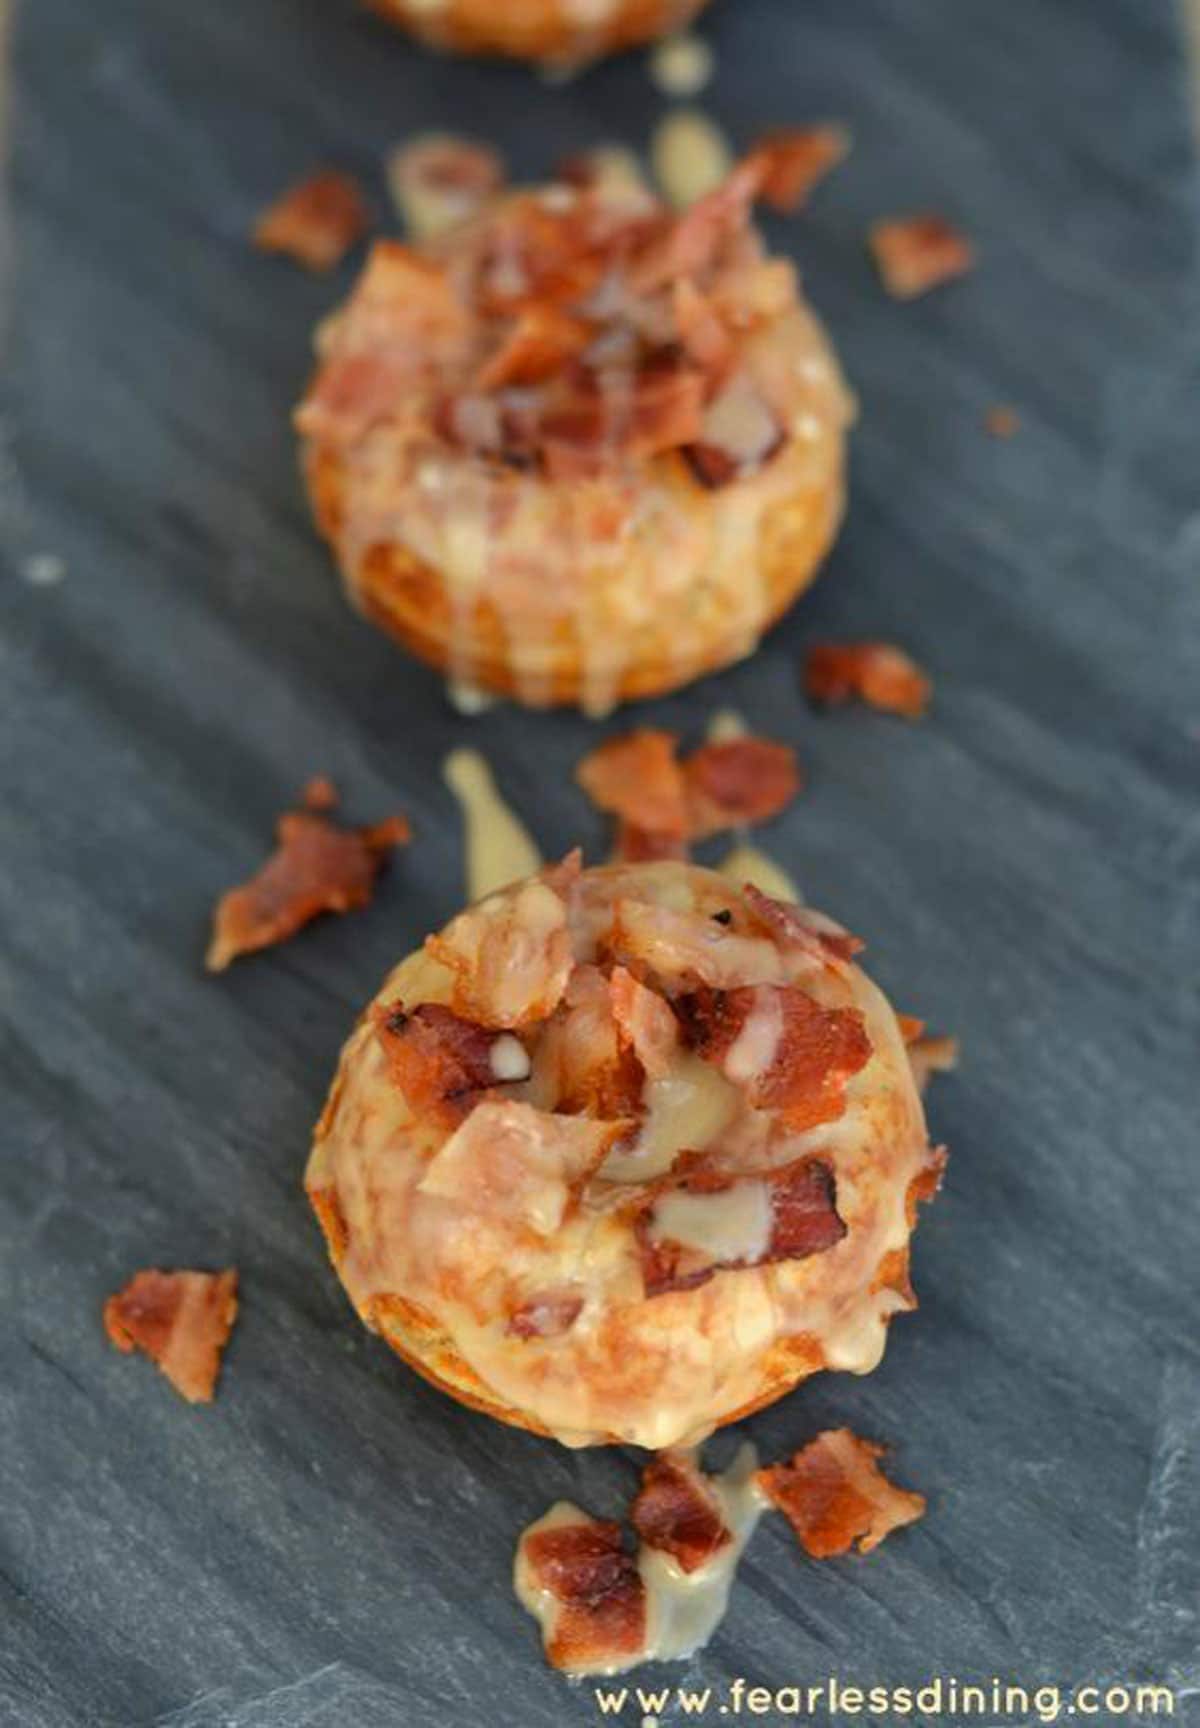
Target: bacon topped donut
{"type": "Point", "coordinates": [624, 1153]}
{"type": "Point", "coordinates": [579, 447]}
{"type": "Point", "coordinates": [556, 32]}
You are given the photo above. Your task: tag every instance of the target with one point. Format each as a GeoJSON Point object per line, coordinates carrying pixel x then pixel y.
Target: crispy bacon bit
{"type": "Point", "coordinates": [581, 1058]}
{"type": "Point", "coordinates": [597, 415]}
{"type": "Point", "coordinates": [695, 237]}
{"type": "Point", "coordinates": [637, 777]}
{"type": "Point", "coordinates": [739, 781]}
{"type": "Point", "coordinates": [542, 339]}
{"type": "Point", "coordinates": [181, 1320]}
{"type": "Point", "coordinates": [916, 253]}
{"type": "Point", "coordinates": [802, 1219]}
{"type": "Point", "coordinates": [547, 1315]}
{"type": "Point", "coordinates": [644, 1022]}
{"type": "Point", "coordinates": [910, 1027]}
{"type": "Point", "coordinates": [438, 181]}
{"type": "Point", "coordinates": [930, 1056]}
{"type": "Point", "coordinates": [787, 1052]}
{"type": "Point", "coordinates": [320, 793]}
{"type": "Point", "coordinates": [511, 958]}
{"type": "Point", "coordinates": [634, 845]}
{"type": "Point", "coordinates": [583, 1565]}
{"type": "Point", "coordinates": [801, 928]}
{"type": "Point", "coordinates": [877, 672]}
{"type": "Point", "coordinates": [797, 158]}
{"type": "Point", "coordinates": [315, 222]}
{"type": "Point", "coordinates": [683, 949]}
{"type": "Point", "coordinates": [835, 1496]}
{"type": "Point", "coordinates": [704, 336]}
{"type": "Point", "coordinates": [927, 1183]}
{"type": "Point", "coordinates": [440, 1062]}
{"type": "Point", "coordinates": [739, 435]}
{"type": "Point", "coordinates": [677, 1512]}
{"type": "Point", "coordinates": [316, 867]}
{"type": "Point", "coordinates": [1001, 421]}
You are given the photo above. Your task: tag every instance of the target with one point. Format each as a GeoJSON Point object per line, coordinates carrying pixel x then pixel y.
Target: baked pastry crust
{"type": "Point", "coordinates": [586, 571]}
{"type": "Point", "coordinates": [562, 31]}
{"type": "Point", "coordinates": [440, 1250]}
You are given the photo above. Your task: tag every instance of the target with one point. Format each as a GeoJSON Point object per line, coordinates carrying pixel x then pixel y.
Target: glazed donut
{"type": "Point", "coordinates": [579, 449]}
{"type": "Point", "coordinates": [553, 31]}
{"type": "Point", "coordinates": [622, 1154]}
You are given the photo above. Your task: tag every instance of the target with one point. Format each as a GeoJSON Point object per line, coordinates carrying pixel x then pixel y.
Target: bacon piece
{"type": "Point", "coordinates": [634, 845]}
{"type": "Point", "coordinates": [694, 238]}
{"type": "Point", "coordinates": [439, 1061]}
{"type": "Point", "coordinates": [786, 1052]}
{"type": "Point", "coordinates": [637, 777]}
{"type": "Point", "coordinates": [600, 1622]}
{"type": "Point", "coordinates": [546, 1315]}
{"type": "Point", "coordinates": [1001, 421]}
{"type": "Point", "coordinates": [676, 1511]}
{"type": "Point", "coordinates": [320, 793]}
{"type": "Point", "coordinates": [680, 950]}
{"type": "Point", "coordinates": [910, 1027]}
{"type": "Point", "coordinates": [438, 181]}
{"type": "Point", "coordinates": [316, 867]}
{"type": "Point", "coordinates": [517, 1165]}
{"type": "Point", "coordinates": [542, 339]}
{"type": "Point", "coordinates": [582, 1060]}
{"type": "Point", "coordinates": [181, 1320]}
{"type": "Point", "coordinates": [315, 222]}
{"type": "Point", "coordinates": [795, 1205]}
{"type": "Point", "coordinates": [704, 336]}
{"type": "Point", "coordinates": [739, 435]}
{"type": "Point", "coordinates": [930, 1056]}
{"type": "Point", "coordinates": [511, 956]}
{"type": "Point", "coordinates": [797, 157]}
{"type": "Point", "coordinates": [801, 928]}
{"type": "Point", "coordinates": [877, 672]}
{"type": "Point", "coordinates": [917, 253]}
{"type": "Point", "coordinates": [835, 1496]}
{"type": "Point", "coordinates": [739, 781]}
{"type": "Point", "coordinates": [644, 1022]}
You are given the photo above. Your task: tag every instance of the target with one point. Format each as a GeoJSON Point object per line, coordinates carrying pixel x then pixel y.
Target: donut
{"type": "Point", "coordinates": [624, 1153]}
{"type": "Point", "coordinates": [580, 448]}
{"type": "Point", "coordinates": [564, 32]}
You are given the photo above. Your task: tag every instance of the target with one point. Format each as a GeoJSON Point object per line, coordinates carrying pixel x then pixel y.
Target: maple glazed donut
{"type": "Point", "coordinates": [580, 448]}
{"type": "Point", "coordinates": [624, 1153]}
{"type": "Point", "coordinates": [564, 31]}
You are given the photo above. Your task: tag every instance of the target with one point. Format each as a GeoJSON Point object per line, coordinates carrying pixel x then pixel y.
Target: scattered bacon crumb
{"type": "Point", "coordinates": [910, 1027]}
{"type": "Point", "coordinates": [645, 1022]}
{"type": "Point", "coordinates": [439, 1061]}
{"type": "Point", "coordinates": [930, 1056]}
{"type": "Point", "coordinates": [315, 222]}
{"type": "Point", "coordinates": [547, 1315]}
{"type": "Point", "coordinates": [320, 793]}
{"type": "Point", "coordinates": [676, 1511]}
{"type": "Point", "coordinates": [181, 1320]}
{"type": "Point", "coordinates": [741, 780]}
{"type": "Point", "coordinates": [835, 1496]}
{"type": "Point", "coordinates": [586, 1568]}
{"type": "Point", "coordinates": [638, 778]}
{"type": "Point", "coordinates": [914, 254]}
{"type": "Point", "coordinates": [814, 1053]}
{"type": "Point", "coordinates": [798, 927]}
{"type": "Point", "coordinates": [541, 340]}
{"type": "Point", "coordinates": [797, 158]}
{"type": "Point", "coordinates": [1001, 421]}
{"type": "Point", "coordinates": [878, 672]}
{"type": "Point", "coordinates": [316, 867]}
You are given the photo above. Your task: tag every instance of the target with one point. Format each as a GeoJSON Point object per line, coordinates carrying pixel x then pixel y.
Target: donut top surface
{"type": "Point", "coordinates": [643, 1146]}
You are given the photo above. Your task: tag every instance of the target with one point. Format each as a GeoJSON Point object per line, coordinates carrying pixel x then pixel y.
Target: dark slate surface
{"type": "Point", "coordinates": [330, 1544]}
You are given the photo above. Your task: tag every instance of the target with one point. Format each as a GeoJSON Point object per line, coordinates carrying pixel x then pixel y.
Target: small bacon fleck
{"type": "Point", "coordinates": [540, 341]}
{"type": "Point", "coordinates": [798, 927]}
{"type": "Point", "coordinates": [917, 253]}
{"type": "Point", "coordinates": [876, 672]}
{"type": "Point", "coordinates": [320, 793]}
{"type": "Point", "coordinates": [676, 1511]}
{"type": "Point", "coordinates": [316, 867]}
{"type": "Point", "coordinates": [181, 1320]}
{"type": "Point", "coordinates": [1001, 421]}
{"type": "Point", "coordinates": [835, 1496]}
{"type": "Point", "coordinates": [739, 781]}
{"type": "Point", "coordinates": [930, 1056]}
{"type": "Point", "coordinates": [440, 1062]}
{"type": "Point", "coordinates": [315, 222]}
{"type": "Point", "coordinates": [601, 1616]}
{"type": "Point", "coordinates": [644, 1021]}
{"type": "Point", "coordinates": [638, 778]}
{"type": "Point", "coordinates": [803, 1060]}
{"type": "Point", "coordinates": [797, 157]}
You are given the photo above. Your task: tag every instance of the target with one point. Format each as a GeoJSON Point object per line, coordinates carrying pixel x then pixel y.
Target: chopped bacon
{"type": "Point", "coordinates": [546, 1315]}
{"type": "Point", "coordinates": [315, 222]}
{"type": "Point", "coordinates": [540, 341]}
{"type": "Point", "coordinates": [916, 253]}
{"type": "Point", "coordinates": [927, 1183]}
{"type": "Point", "coordinates": [741, 780]}
{"type": "Point", "coordinates": [677, 1512]}
{"type": "Point", "coordinates": [801, 1205]}
{"type": "Point", "coordinates": [835, 1496]}
{"type": "Point", "coordinates": [910, 1027]}
{"type": "Point", "coordinates": [439, 1061]}
{"type": "Point", "coordinates": [930, 1056]}
{"type": "Point", "coordinates": [181, 1320]}
{"type": "Point", "coordinates": [514, 1164]}
{"type": "Point", "coordinates": [797, 157]}
{"type": "Point", "coordinates": [877, 672]}
{"type": "Point", "coordinates": [644, 1022]}
{"type": "Point", "coordinates": [316, 867]}
{"type": "Point", "coordinates": [320, 793]}
{"type": "Point", "coordinates": [1001, 421]}
{"type": "Point", "coordinates": [739, 434]}
{"type": "Point", "coordinates": [583, 1565]}
{"type": "Point", "coordinates": [438, 181]}
{"type": "Point", "coordinates": [800, 928]}
{"type": "Point", "coordinates": [634, 845]}
{"type": "Point", "coordinates": [580, 1056]}
{"type": "Point", "coordinates": [787, 1052]}
{"type": "Point", "coordinates": [684, 949]}
{"type": "Point", "coordinates": [704, 336]}
{"type": "Point", "coordinates": [594, 416]}
{"type": "Point", "coordinates": [637, 777]}
{"type": "Point", "coordinates": [511, 958]}
{"type": "Point", "coordinates": [695, 237]}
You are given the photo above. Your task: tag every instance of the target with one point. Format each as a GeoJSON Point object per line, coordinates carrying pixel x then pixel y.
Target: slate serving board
{"type": "Point", "coordinates": [331, 1542]}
